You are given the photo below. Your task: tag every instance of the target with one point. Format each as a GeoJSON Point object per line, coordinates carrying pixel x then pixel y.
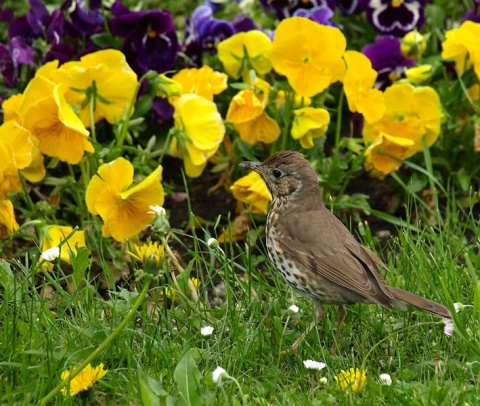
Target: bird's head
{"type": "Point", "coordinates": [287, 174]}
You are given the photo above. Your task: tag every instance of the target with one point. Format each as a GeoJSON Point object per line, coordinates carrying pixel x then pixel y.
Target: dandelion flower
{"type": "Point", "coordinates": [352, 380]}
{"type": "Point", "coordinates": [206, 331]}
{"type": "Point", "coordinates": [151, 255]}
{"type": "Point", "coordinates": [385, 379]}
{"type": "Point", "coordinates": [310, 364]}
{"type": "Point", "coordinates": [84, 380]}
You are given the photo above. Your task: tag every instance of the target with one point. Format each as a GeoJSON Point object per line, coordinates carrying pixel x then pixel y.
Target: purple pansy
{"type": "Point", "coordinates": [387, 59]}
{"type": "Point", "coordinates": [150, 40]}
{"type": "Point", "coordinates": [7, 69]}
{"type": "Point", "coordinates": [285, 9]}
{"type": "Point", "coordinates": [86, 17]}
{"type": "Point", "coordinates": [242, 23]}
{"type": "Point", "coordinates": [203, 33]}
{"type": "Point", "coordinates": [321, 15]}
{"type": "Point", "coordinates": [474, 13]}
{"type": "Point", "coordinates": [395, 17]}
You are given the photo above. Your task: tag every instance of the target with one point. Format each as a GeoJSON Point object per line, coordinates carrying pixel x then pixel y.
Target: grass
{"type": "Point", "coordinates": [160, 357]}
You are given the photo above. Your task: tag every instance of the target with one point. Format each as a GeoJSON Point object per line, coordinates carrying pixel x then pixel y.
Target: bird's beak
{"type": "Point", "coordinates": [254, 166]}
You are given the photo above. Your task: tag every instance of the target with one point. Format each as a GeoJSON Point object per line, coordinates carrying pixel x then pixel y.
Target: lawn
{"type": "Point", "coordinates": [133, 263]}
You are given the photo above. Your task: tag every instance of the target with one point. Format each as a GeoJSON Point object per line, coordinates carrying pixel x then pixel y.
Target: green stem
{"type": "Point", "coordinates": [92, 115]}
{"type": "Point", "coordinates": [126, 122]}
{"type": "Point", "coordinates": [338, 131]}
{"type": "Point", "coordinates": [104, 345]}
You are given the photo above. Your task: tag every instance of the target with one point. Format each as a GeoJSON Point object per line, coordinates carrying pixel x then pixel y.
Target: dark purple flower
{"type": "Point", "coordinates": [63, 52]}
{"type": "Point", "coordinates": [22, 54]}
{"type": "Point", "coordinates": [7, 68]}
{"type": "Point", "coordinates": [86, 16]}
{"type": "Point", "coordinates": [6, 14]}
{"type": "Point", "coordinates": [321, 15]}
{"type": "Point", "coordinates": [387, 59]}
{"type": "Point", "coordinates": [37, 23]}
{"type": "Point", "coordinates": [203, 33]}
{"type": "Point", "coordinates": [242, 23]}
{"type": "Point", "coordinates": [474, 13]}
{"type": "Point", "coordinates": [163, 110]}
{"type": "Point", "coordinates": [150, 40]}
{"type": "Point", "coordinates": [285, 9]}
{"type": "Point", "coordinates": [395, 17]}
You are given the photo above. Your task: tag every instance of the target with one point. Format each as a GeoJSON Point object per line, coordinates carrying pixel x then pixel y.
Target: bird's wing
{"type": "Point", "coordinates": [325, 246]}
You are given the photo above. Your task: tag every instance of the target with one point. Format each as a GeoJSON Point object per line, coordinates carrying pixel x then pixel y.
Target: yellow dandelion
{"type": "Point", "coordinates": [352, 380]}
{"type": "Point", "coordinates": [84, 380]}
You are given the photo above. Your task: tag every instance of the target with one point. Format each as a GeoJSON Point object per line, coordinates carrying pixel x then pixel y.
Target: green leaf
{"type": "Point", "coordinates": [476, 301]}
{"type": "Point", "coordinates": [188, 379]}
{"type": "Point", "coordinates": [151, 391]}
{"type": "Point", "coordinates": [80, 264]}
{"type": "Point", "coordinates": [104, 39]}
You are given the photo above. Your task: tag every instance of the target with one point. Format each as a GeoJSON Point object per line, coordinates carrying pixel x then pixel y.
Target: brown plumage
{"type": "Point", "coordinates": [315, 253]}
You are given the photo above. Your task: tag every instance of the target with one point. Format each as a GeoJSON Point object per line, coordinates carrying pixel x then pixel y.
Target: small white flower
{"type": "Point", "coordinates": [310, 364]}
{"type": "Point", "coordinates": [323, 380]}
{"type": "Point", "coordinates": [385, 379]}
{"type": "Point", "coordinates": [157, 210]}
{"type": "Point", "coordinates": [218, 373]}
{"type": "Point", "coordinates": [449, 326]}
{"type": "Point", "coordinates": [51, 254]}
{"type": "Point", "coordinates": [206, 331]}
{"type": "Point", "coordinates": [294, 308]}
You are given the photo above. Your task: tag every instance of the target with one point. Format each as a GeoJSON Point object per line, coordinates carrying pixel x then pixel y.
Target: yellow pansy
{"type": "Point", "coordinates": [309, 123]}
{"type": "Point", "coordinates": [104, 76]}
{"type": "Point", "coordinates": [419, 74]}
{"type": "Point", "coordinates": [251, 189]}
{"type": "Point", "coordinates": [244, 51]}
{"type": "Point", "coordinates": [199, 132]}
{"type": "Point", "coordinates": [16, 150]}
{"type": "Point", "coordinates": [45, 112]}
{"type": "Point", "coordinates": [125, 210]}
{"type": "Point", "coordinates": [309, 54]}
{"type": "Point", "coordinates": [462, 44]}
{"type": "Point", "coordinates": [352, 380]}
{"type": "Point", "coordinates": [10, 107]}
{"type": "Point", "coordinates": [247, 113]}
{"type": "Point", "coordinates": [84, 380]}
{"type": "Point", "coordinates": [385, 154]}
{"type": "Point", "coordinates": [413, 44]}
{"type": "Point", "coordinates": [204, 81]}
{"type": "Point", "coordinates": [358, 85]}
{"type": "Point", "coordinates": [8, 224]}
{"type": "Point", "coordinates": [412, 112]}
{"type": "Point", "coordinates": [166, 87]}
{"type": "Point", "coordinates": [56, 235]}
{"type": "Point", "coordinates": [261, 129]}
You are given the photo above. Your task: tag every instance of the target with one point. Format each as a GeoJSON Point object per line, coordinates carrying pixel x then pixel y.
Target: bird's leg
{"type": "Point", "coordinates": [319, 314]}
{"type": "Point", "coordinates": [341, 314]}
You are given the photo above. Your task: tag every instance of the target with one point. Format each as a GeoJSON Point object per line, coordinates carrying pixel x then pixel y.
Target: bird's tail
{"type": "Point", "coordinates": [427, 305]}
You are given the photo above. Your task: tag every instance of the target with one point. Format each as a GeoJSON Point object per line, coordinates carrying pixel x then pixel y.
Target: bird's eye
{"type": "Point", "coordinates": [277, 173]}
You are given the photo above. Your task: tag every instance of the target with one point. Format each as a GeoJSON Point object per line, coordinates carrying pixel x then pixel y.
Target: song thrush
{"type": "Point", "coordinates": [316, 254]}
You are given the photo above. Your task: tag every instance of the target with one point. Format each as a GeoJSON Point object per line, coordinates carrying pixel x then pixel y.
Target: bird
{"type": "Point", "coordinates": [315, 252]}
